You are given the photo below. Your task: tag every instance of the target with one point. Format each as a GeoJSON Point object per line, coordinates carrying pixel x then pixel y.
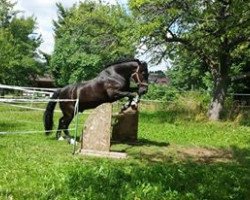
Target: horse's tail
{"type": "Point", "coordinates": [49, 112]}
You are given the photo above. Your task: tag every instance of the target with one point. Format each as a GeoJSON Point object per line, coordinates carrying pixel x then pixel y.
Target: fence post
{"type": "Point", "coordinates": [76, 125]}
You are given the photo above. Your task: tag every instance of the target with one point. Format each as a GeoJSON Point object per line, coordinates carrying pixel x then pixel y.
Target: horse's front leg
{"type": "Point", "coordinates": [132, 102]}
{"type": "Point", "coordinates": [117, 94]}
{"type": "Point", "coordinates": [126, 105]}
{"type": "Point", "coordinates": [135, 100]}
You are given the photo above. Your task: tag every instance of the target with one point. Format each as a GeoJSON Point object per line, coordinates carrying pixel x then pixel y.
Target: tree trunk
{"type": "Point", "coordinates": [216, 106]}
{"type": "Point", "coordinates": [221, 82]}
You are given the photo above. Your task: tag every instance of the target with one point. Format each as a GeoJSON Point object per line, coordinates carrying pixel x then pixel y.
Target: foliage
{"type": "Point", "coordinates": [208, 30]}
{"type": "Point", "coordinates": [170, 93]}
{"type": "Point", "coordinates": [241, 81]}
{"type": "Point", "coordinates": [174, 181]}
{"type": "Point", "coordinates": [36, 167]}
{"type": "Point", "coordinates": [88, 37]}
{"type": "Point", "coordinates": [18, 44]}
{"type": "Point", "coordinates": [184, 105]}
{"type": "Point", "coordinates": [187, 73]}
{"type": "Point", "coordinates": [160, 92]}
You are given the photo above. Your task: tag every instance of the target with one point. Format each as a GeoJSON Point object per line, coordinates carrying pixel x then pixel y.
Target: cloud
{"type": "Point", "coordinates": [44, 11]}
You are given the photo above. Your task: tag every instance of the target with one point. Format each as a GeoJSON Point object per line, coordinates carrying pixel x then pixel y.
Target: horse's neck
{"type": "Point", "coordinates": [125, 70]}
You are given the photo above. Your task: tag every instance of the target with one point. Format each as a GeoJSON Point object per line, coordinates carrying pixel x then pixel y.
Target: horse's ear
{"type": "Point", "coordinates": [144, 64]}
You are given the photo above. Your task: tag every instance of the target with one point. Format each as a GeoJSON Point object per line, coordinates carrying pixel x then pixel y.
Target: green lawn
{"type": "Point", "coordinates": [174, 159]}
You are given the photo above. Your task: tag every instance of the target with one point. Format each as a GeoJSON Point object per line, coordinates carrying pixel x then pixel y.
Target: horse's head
{"type": "Point", "coordinates": [140, 76]}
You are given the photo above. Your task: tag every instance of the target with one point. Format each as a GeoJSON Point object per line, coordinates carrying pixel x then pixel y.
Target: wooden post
{"type": "Point", "coordinates": [125, 127]}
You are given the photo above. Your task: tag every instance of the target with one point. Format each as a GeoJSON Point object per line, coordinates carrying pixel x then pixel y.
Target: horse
{"type": "Point", "coordinates": [112, 84]}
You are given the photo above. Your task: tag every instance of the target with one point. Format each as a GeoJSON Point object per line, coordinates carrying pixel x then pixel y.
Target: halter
{"type": "Point", "coordinates": [139, 82]}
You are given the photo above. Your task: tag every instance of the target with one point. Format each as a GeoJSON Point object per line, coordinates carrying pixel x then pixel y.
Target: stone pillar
{"type": "Point", "coordinates": [97, 127]}
{"type": "Point", "coordinates": [97, 132]}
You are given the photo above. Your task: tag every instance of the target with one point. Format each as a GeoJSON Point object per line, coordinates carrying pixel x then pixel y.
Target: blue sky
{"type": "Point", "coordinates": [45, 11]}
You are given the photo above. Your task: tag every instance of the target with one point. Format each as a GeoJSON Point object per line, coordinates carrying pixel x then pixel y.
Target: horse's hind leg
{"type": "Point", "coordinates": [67, 121]}
{"type": "Point", "coordinates": [67, 109]}
{"type": "Point", "coordinates": [63, 126]}
{"type": "Point", "coordinates": [60, 127]}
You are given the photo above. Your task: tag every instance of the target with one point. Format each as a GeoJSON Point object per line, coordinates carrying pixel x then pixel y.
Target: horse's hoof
{"type": "Point", "coordinates": [134, 107]}
{"type": "Point", "coordinates": [133, 103]}
{"type": "Point", "coordinates": [72, 141]}
{"type": "Point", "coordinates": [60, 138]}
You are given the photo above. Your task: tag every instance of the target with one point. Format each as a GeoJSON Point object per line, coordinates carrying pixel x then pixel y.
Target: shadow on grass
{"type": "Point", "coordinates": [142, 149]}
{"type": "Point", "coordinates": [144, 142]}
{"type": "Point", "coordinates": [168, 180]}
{"type": "Point", "coordinates": [242, 156]}
{"type": "Point", "coordinates": [148, 178]}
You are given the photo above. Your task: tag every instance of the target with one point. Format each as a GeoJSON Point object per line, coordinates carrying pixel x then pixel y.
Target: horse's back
{"type": "Point", "coordinates": [68, 92]}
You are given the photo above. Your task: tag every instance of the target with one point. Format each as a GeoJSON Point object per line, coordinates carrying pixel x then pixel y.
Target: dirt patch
{"type": "Point", "coordinates": [207, 155]}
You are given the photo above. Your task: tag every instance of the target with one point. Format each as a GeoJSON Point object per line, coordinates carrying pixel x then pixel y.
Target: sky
{"type": "Point", "coordinates": [45, 11]}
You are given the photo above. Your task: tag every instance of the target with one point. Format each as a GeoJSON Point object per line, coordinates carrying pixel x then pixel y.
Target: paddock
{"type": "Point", "coordinates": [178, 155]}
{"type": "Point", "coordinates": [17, 105]}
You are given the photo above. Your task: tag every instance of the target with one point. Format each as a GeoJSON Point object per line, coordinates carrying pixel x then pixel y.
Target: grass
{"type": "Point", "coordinates": [174, 159]}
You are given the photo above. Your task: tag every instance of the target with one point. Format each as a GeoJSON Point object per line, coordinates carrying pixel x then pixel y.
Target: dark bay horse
{"type": "Point", "coordinates": [112, 84]}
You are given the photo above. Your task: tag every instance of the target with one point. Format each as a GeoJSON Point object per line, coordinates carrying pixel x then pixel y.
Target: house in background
{"type": "Point", "coordinates": [158, 77]}
{"type": "Point", "coordinates": [46, 81]}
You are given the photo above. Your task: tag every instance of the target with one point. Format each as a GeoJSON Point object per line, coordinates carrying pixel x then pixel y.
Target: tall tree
{"type": "Point", "coordinates": [18, 44]}
{"type": "Point", "coordinates": [215, 32]}
{"type": "Point", "coordinates": [88, 37]}
{"type": "Point", "coordinates": [188, 72]}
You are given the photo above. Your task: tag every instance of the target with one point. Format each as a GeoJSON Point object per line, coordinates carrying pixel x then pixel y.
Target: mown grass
{"type": "Point", "coordinates": [37, 167]}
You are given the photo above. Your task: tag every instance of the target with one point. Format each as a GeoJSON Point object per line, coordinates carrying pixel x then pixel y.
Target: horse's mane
{"type": "Point", "coordinates": [123, 61]}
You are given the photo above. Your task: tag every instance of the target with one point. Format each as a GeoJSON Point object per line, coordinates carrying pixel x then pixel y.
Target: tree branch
{"type": "Point", "coordinates": [224, 2]}
{"type": "Point", "coordinates": [241, 76]}
{"type": "Point", "coordinates": [238, 40]}
{"type": "Point", "coordinates": [175, 38]}
{"type": "Point", "coordinates": [188, 45]}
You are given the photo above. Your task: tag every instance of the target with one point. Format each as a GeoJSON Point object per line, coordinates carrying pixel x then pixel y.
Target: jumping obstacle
{"type": "Point", "coordinates": [98, 131]}
{"type": "Point", "coordinates": [125, 127]}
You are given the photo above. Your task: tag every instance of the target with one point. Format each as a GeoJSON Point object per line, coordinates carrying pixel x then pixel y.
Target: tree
{"type": "Point", "coordinates": [189, 73]}
{"type": "Point", "coordinates": [215, 32]}
{"type": "Point", "coordinates": [18, 44]}
{"type": "Point", "coordinates": [88, 37]}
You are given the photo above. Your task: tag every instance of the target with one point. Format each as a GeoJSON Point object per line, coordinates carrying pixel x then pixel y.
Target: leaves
{"type": "Point", "coordinates": [18, 45]}
{"type": "Point", "coordinates": [204, 37]}
{"type": "Point", "coordinates": [88, 37]}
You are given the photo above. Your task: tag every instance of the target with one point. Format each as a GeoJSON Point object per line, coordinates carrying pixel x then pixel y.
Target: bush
{"type": "Point", "coordinates": [191, 105]}
{"type": "Point", "coordinates": [161, 92]}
